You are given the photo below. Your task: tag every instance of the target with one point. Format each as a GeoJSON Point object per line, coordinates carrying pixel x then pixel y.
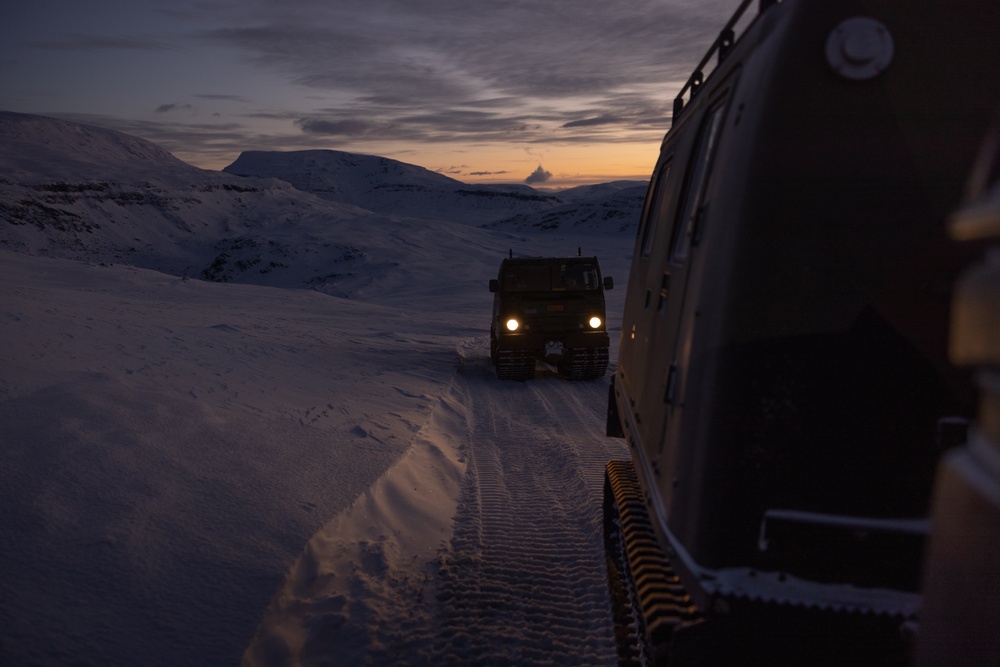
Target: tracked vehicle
{"type": "Point", "coordinates": [783, 380]}
{"type": "Point", "coordinates": [550, 309]}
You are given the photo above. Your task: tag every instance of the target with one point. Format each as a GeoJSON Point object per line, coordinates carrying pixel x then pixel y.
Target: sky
{"type": "Point", "coordinates": [553, 93]}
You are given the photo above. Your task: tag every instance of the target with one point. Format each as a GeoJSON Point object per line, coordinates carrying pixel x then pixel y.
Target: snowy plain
{"type": "Point", "coordinates": [247, 418]}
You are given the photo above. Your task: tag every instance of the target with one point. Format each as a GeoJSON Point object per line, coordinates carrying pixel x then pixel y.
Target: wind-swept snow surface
{"type": "Point", "coordinates": [169, 446]}
{"type": "Point", "coordinates": [518, 577]}
{"type": "Point", "coordinates": [278, 469]}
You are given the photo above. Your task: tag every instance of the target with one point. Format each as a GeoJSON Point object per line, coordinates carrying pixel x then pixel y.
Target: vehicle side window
{"type": "Point", "coordinates": [655, 209]}
{"type": "Point", "coordinates": [694, 189]}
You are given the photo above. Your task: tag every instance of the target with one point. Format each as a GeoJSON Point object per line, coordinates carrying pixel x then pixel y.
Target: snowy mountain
{"type": "Point", "coordinates": [305, 219]}
{"type": "Point", "coordinates": [391, 187]}
{"type": "Point", "coordinates": [70, 190]}
{"type": "Point", "coordinates": [396, 188]}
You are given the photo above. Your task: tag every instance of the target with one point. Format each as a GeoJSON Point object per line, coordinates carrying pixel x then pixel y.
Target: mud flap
{"type": "Point", "coordinates": [613, 426]}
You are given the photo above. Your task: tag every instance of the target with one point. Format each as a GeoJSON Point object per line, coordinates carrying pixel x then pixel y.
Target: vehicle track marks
{"type": "Point", "coordinates": [525, 581]}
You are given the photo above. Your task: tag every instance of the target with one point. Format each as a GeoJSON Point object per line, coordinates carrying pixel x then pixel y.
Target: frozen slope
{"type": "Point", "coordinates": [170, 446]}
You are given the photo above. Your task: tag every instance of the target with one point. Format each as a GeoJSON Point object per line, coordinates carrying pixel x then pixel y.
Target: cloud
{"type": "Point", "coordinates": [77, 42]}
{"type": "Point", "coordinates": [396, 72]}
{"type": "Point", "coordinates": [364, 122]}
{"type": "Point", "coordinates": [230, 98]}
{"type": "Point", "coordinates": [538, 176]}
{"type": "Point", "coordinates": [488, 173]}
{"type": "Point", "coordinates": [591, 122]}
{"type": "Point", "coordinates": [166, 108]}
{"type": "Point", "coordinates": [451, 170]}
{"type": "Point", "coordinates": [339, 128]}
{"type": "Point", "coordinates": [429, 70]}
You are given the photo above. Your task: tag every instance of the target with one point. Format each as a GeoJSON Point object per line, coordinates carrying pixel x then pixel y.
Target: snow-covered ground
{"type": "Point", "coordinates": [311, 462]}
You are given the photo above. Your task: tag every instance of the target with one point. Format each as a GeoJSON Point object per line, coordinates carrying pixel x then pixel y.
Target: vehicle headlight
{"type": "Point", "coordinates": [512, 324]}
{"type": "Point", "coordinates": [595, 322]}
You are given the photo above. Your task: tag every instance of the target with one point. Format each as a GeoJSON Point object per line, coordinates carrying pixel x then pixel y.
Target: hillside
{"type": "Point", "coordinates": [317, 219]}
{"type": "Point", "coordinates": [396, 188]}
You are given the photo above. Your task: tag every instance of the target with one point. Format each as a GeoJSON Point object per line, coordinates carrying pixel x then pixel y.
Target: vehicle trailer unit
{"type": "Point", "coordinates": [783, 379]}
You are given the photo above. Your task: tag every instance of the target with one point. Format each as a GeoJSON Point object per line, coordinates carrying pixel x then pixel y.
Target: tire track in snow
{"type": "Point", "coordinates": [525, 580]}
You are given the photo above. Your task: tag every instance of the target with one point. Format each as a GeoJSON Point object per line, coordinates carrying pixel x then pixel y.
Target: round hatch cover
{"type": "Point", "coordinates": [859, 48]}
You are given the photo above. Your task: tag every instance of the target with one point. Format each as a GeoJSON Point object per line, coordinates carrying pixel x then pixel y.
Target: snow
{"type": "Point", "coordinates": [308, 459]}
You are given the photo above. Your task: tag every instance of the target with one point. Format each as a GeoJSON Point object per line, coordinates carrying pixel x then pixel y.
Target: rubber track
{"type": "Point", "coordinates": [515, 364]}
{"type": "Point", "coordinates": [660, 604]}
{"type": "Point", "coordinates": [585, 363]}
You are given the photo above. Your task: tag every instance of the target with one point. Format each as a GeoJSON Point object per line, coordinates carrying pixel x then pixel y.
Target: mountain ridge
{"type": "Point", "coordinates": [300, 219]}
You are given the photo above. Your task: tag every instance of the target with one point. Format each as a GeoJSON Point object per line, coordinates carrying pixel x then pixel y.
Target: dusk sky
{"type": "Point", "coordinates": [552, 92]}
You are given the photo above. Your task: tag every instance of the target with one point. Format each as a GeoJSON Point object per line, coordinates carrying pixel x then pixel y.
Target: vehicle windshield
{"type": "Point", "coordinates": [566, 276]}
